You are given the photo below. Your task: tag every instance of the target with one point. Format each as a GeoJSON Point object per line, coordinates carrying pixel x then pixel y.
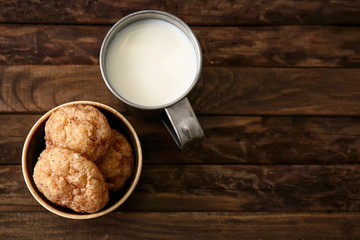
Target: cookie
{"type": "Point", "coordinates": [80, 128]}
{"type": "Point", "coordinates": [70, 180]}
{"type": "Point", "coordinates": [118, 163]}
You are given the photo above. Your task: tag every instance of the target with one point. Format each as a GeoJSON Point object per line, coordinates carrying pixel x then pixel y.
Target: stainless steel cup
{"type": "Point", "coordinates": [178, 115]}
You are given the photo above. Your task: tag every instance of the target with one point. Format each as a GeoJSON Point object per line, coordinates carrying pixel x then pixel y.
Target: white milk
{"type": "Point", "coordinates": [151, 63]}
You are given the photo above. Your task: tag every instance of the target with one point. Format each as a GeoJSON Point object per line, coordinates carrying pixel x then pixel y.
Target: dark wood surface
{"type": "Point", "coordinates": [278, 98]}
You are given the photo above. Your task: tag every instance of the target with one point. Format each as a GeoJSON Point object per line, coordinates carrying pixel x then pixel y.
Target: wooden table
{"type": "Point", "coordinates": [279, 100]}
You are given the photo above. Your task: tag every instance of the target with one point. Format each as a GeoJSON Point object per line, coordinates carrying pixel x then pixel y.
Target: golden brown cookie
{"type": "Point", "coordinates": [81, 128]}
{"type": "Point", "coordinates": [70, 180]}
{"type": "Point", "coordinates": [118, 163]}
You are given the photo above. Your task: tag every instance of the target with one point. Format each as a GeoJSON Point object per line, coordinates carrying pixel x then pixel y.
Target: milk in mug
{"type": "Point", "coordinates": [151, 63]}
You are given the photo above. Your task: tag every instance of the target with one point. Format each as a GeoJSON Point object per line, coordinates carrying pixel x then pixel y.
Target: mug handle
{"type": "Point", "coordinates": [182, 123]}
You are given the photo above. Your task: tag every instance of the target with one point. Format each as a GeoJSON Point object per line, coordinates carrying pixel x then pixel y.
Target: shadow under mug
{"type": "Point", "coordinates": [177, 115]}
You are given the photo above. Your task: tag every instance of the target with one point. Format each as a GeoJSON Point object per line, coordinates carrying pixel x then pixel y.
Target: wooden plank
{"type": "Point", "coordinates": [204, 225]}
{"type": "Point", "coordinates": [46, 44]}
{"type": "Point", "coordinates": [40, 88]}
{"type": "Point", "coordinates": [220, 90]}
{"type": "Point", "coordinates": [229, 140]}
{"type": "Point", "coordinates": [259, 91]}
{"type": "Point", "coordinates": [203, 12]}
{"type": "Point", "coordinates": [281, 46]}
{"type": "Point", "coordinates": [259, 140]}
{"type": "Point", "coordinates": [249, 188]}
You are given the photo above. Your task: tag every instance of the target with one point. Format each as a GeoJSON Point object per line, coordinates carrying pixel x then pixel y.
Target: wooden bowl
{"type": "Point", "coordinates": [35, 144]}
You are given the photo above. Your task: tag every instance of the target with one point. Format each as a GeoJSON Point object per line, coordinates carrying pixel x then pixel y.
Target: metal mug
{"type": "Point", "coordinates": [178, 115]}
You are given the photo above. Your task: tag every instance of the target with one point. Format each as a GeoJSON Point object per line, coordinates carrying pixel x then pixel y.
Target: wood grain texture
{"type": "Point", "coordinates": [229, 140]}
{"type": "Point", "coordinates": [203, 12]}
{"type": "Point", "coordinates": [278, 99]}
{"type": "Point", "coordinates": [220, 90]}
{"type": "Point", "coordinates": [46, 44]}
{"type": "Point", "coordinates": [204, 225]}
{"type": "Point", "coordinates": [294, 188]}
{"type": "Point", "coordinates": [41, 88]}
{"type": "Point", "coordinates": [260, 140]}
{"type": "Point", "coordinates": [303, 46]}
